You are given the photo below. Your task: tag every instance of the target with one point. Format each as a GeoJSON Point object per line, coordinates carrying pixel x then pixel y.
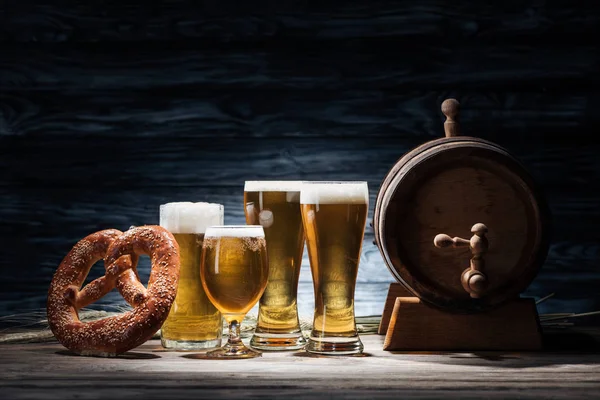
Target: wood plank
{"type": "Point", "coordinates": [127, 162]}
{"type": "Point", "coordinates": [180, 90]}
{"type": "Point", "coordinates": [34, 213]}
{"type": "Point", "coordinates": [188, 162]}
{"type": "Point", "coordinates": [316, 65]}
{"type": "Point", "coordinates": [230, 21]}
{"type": "Point", "coordinates": [41, 224]}
{"type": "Point", "coordinates": [47, 371]}
{"type": "Point", "coordinates": [182, 110]}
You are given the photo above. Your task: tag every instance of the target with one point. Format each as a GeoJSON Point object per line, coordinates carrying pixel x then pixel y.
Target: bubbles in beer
{"type": "Point", "coordinates": [252, 238]}
{"type": "Point", "coordinates": [239, 246]}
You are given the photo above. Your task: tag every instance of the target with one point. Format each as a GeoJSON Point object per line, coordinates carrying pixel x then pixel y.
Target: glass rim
{"type": "Point", "coordinates": [276, 180]}
{"type": "Point", "coordinates": [195, 203]}
{"type": "Point", "coordinates": [216, 231]}
{"type": "Point", "coordinates": [235, 226]}
{"type": "Point", "coordinates": [274, 185]}
{"type": "Point", "coordinates": [335, 182]}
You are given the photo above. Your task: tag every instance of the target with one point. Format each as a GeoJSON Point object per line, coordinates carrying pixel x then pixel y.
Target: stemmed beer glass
{"type": "Point", "coordinates": [234, 272]}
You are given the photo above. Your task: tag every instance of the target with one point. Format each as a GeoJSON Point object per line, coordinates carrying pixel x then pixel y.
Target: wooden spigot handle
{"type": "Point", "coordinates": [442, 240]}
{"type": "Point", "coordinates": [473, 279]}
{"type": "Point", "coordinates": [450, 108]}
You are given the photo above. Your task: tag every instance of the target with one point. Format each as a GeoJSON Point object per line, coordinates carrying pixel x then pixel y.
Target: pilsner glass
{"type": "Point", "coordinates": [276, 206]}
{"type": "Point", "coordinates": [334, 216]}
{"type": "Point", "coordinates": [193, 322]}
{"type": "Point", "coordinates": [234, 272]}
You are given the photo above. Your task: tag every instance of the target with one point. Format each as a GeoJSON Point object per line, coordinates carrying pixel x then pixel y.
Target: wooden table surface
{"type": "Point", "coordinates": [48, 371]}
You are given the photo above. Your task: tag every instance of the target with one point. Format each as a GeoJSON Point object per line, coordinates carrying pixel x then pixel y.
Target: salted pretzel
{"type": "Point", "coordinates": [114, 335]}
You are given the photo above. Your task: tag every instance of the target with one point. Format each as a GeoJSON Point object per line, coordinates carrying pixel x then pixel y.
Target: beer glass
{"type": "Point", "coordinates": [234, 272]}
{"type": "Point", "coordinates": [276, 206]}
{"type": "Point", "coordinates": [193, 322]}
{"type": "Point", "coordinates": [334, 216]}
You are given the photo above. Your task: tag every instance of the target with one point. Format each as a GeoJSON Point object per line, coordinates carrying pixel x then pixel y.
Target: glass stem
{"type": "Point", "coordinates": [234, 332]}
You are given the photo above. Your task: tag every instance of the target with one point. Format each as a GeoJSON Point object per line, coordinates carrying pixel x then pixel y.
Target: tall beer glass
{"type": "Point", "coordinates": [234, 273]}
{"type": "Point", "coordinates": [193, 322]}
{"type": "Point", "coordinates": [276, 206]}
{"type": "Point", "coordinates": [334, 216]}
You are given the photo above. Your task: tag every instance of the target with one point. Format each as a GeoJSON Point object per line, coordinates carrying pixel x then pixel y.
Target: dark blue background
{"type": "Point", "coordinates": [108, 109]}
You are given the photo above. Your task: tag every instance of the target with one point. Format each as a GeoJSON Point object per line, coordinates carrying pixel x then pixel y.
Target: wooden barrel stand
{"type": "Point", "coordinates": [410, 325]}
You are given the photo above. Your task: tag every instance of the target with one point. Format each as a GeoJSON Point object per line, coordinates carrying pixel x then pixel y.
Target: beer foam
{"type": "Point", "coordinates": [335, 193]}
{"type": "Point", "coordinates": [188, 217]}
{"type": "Point", "coordinates": [273, 186]}
{"type": "Point", "coordinates": [238, 231]}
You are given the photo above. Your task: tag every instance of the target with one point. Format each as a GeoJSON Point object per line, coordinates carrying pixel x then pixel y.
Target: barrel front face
{"type": "Point", "coordinates": [447, 188]}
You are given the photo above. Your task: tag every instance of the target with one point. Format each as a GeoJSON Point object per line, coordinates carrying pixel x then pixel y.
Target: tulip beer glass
{"type": "Point", "coordinates": [234, 272]}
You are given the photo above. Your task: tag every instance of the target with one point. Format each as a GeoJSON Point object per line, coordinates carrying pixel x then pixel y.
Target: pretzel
{"type": "Point", "coordinates": [114, 335]}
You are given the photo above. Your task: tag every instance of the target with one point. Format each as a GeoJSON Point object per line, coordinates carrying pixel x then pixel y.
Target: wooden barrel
{"type": "Point", "coordinates": [460, 222]}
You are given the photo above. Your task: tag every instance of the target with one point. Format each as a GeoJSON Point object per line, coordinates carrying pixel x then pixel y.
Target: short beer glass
{"type": "Point", "coordinates": [334, 216]}
{"type": "Point", "coordinates": [234, 272]}
{"type": "Point", "coordinates": [275, 205]}
{"type": "Point", "coordinates": [193, 322]}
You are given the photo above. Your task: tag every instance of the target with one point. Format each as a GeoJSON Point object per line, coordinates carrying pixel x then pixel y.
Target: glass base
{"type": "Point", "coordinates": [333, 345]}
{"type": "Point", "coordinates": [190, 344]}
{"type": "Point", "coordinates": [236, 351]}
{"type": "Point", "coordinates": [278, 342]}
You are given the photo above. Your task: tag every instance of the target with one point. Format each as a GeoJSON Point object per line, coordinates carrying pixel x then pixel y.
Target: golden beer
{"type": "Point", "coordinates": [334, 216]}
{"type": "Point", "coordinates": [193, 321]}
{"type": "Point", "coordinates": [276, 206]}
{"type": "Point", "coordinates": [234, 272]}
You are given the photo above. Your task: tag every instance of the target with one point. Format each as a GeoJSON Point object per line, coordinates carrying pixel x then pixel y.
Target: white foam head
{"type": "Point", "coordinates": [188, 217]}
{"type": "Point", "coordinates": [273, 186]}
{"type": "Point", "coordinates": [334, 193]}
{"type": "Point", "coordinates": [235, 231]}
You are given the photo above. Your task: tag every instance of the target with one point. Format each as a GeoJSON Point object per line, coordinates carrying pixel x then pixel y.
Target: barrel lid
{"type": "Point", "coordinates": [461, 223]}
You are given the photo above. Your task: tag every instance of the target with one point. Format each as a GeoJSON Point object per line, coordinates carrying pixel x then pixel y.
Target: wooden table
{"type": "Point", "coordinates": [48, 371]}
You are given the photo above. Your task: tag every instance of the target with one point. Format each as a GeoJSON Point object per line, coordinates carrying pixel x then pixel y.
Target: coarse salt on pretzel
{"type": "Point", "coordinates": [114, 335]}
